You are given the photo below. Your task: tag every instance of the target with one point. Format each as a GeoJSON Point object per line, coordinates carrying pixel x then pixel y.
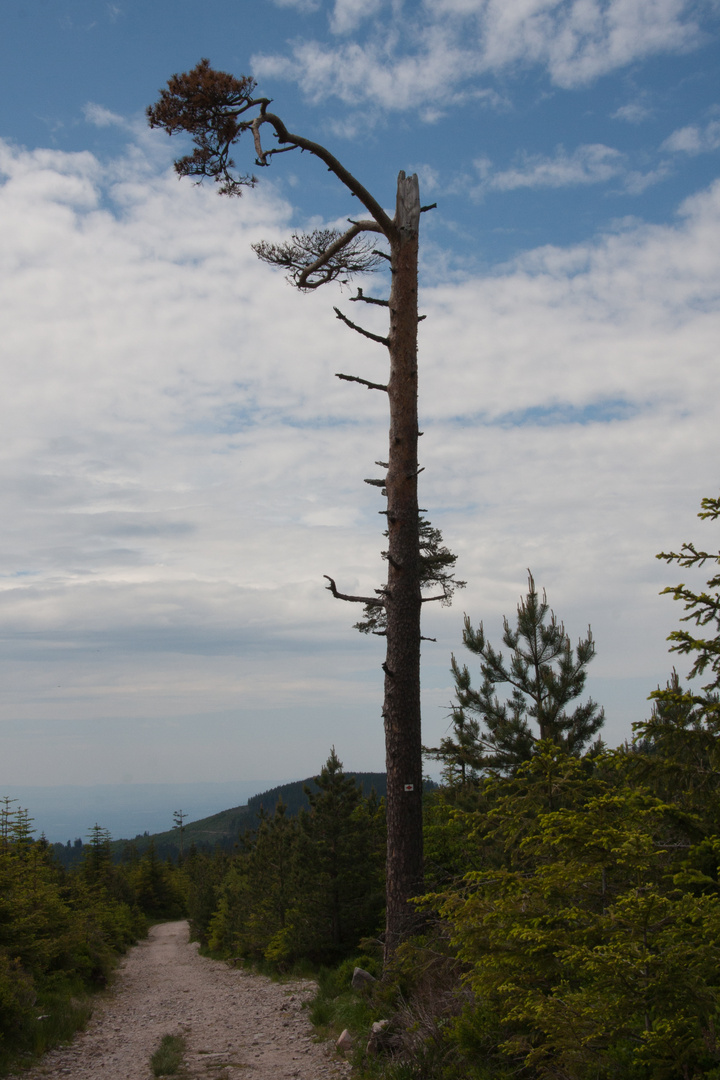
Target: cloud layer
{"type": "Point", "coordinates": [180, 468]}
{"type": "Point", "coordinates": [434, 53]}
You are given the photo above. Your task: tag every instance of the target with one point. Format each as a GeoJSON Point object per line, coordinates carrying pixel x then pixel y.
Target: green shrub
{"type": "Point", "coordinates": [17, 996]}
{"type": "Point", "coordinates": [337, 1006]}
{"type": "Point", "coordinates": [167, 1059]}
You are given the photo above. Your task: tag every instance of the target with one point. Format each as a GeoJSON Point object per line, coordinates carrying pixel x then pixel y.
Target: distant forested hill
{"type": "Point", "coordinates": [294, 797]}
{"type": "Point", "coordinates": [223, 829]}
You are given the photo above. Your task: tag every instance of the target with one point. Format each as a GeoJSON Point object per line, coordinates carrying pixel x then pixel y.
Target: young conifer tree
{"type": "Point", "coordinates": [703, 610]}
{"type": "Point", "coordinates": [545, 675]}
{"type": "Point", "coordinates": [338, 877]}
{"type": "Point", "coordinates": [217, 109]}
{"type": "Point", "coordinates": [676, 749]}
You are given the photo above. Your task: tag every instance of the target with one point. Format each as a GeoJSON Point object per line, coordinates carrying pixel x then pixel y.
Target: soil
{"type": "Point", "coordinates": [235, 1023]}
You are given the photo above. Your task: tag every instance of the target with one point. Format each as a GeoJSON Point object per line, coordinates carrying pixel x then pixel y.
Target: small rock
{"type": "Point", "coordinates": [377, 1041]}
{"type": "Point", "coordinates": [361, 978]}
{"type": "Point", "coordinates": [344, 1042]}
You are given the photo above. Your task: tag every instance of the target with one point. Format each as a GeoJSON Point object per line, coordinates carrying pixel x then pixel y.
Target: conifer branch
{"type": "Point", "coordinates": [320, 256]}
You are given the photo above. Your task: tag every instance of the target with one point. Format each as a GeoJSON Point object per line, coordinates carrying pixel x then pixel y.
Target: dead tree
{"type": "Point", "coordinates": [216, 109]}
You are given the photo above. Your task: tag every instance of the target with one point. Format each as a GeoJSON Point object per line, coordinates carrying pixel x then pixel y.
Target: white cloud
{"type": "Point", "coordinates": [433, 55]}
{"type": "Point", "coordinates": [305, 7]}
{"type": "Point", "coordinates": [428, 176]}
{"type": "Point", "coordinates": [347, 15]}
{"type": "Point", "coordinates": [651, 293]}
{"type": "Point", "coordinates": [694, 139]}
{"type": "Point", "coordinates": [99, 116]}
{"type": "Point", "coordinates": [180, 467]}
{"type": "Point", "coordinates": [374, 73]}
{"type": "Point", "coordinates": [632, 113]}
{"type": "Point", "coordinates": [594, 164]}
{"type": "Point", "coordinates": [589, 164]}
{"type": "Point", "coordinates": [636, 182]}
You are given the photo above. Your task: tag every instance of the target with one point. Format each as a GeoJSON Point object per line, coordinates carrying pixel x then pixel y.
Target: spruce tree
{"type": "Point", "coordinates": [257, 891]}
{"type": "Point", "coordinates": [676, 750]}
{"type": "Point", "coordinates": [703, 609]}
{"type": "Point", "coordinates": [338, 867]}
{"type": "Point", "coordinates": [545, 675]}
{"type": "Point", "coordinates": [461, 752]}
{"type": "Point", "coordinates": [97, 856]}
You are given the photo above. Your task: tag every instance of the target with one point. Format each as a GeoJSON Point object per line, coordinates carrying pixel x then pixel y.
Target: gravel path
{"type": "Point", "coordinates": [236, 1024]}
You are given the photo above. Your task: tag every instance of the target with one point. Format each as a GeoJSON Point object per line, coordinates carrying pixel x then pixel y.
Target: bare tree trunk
{"type": "Point", "coordinates": [403, 752]}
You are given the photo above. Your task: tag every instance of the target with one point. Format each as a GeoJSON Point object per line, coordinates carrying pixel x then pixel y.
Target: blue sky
{"type": "Point", "coordinates": [180, 468]}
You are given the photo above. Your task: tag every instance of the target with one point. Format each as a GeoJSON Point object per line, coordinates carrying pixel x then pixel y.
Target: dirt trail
{"type": "Point", "coordinates": [235, 1023]}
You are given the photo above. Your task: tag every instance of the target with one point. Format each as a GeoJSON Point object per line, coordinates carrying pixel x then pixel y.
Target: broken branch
{"type": "Point", "coordinates": [364, 382]}
{"type": "Point", "coordinates": [332, 587]}
{"type": "Point", "coordinates": [369, 299]}
{"type": "Point", "coordinates": [365, 333]}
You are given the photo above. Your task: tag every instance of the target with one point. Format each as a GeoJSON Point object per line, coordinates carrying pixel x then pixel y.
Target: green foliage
{"type": "Point", "coordinates": [339, 860]}
{"type": "Point", "coordinates": [97, 857]}
{"type": "Point", "coordinates": [156, 887]}
{"type": "Point", "coordinates": [60, 934]}
{"type": "Point", "coordinates": [463, 753]}
{"type": "Point", "coordinates": [255, 894]}
{"type": "Point", "coordinates": [219, 831]}
{"type": "Point", "coordinates": [591, 947]}
{"type": "Point", "coordinates": [677, 750]}
{"type": "Point", "coordinates": [17, 996]}
{"type": "Point", "coordinates": [203, 876]}
{"type": "Point", "coordinates": [437, 570]}
{"type": "Point", "coordinates": [168, 1058]}
{"type": "Point", "coordinates": [294, 795]}
{"type": "Point", "coordinates": [450, 844]}
{"type": "Point", "coordinates": [336, 1005]}
{"type": "Point", "coordinates": [703, 609]}
{"type": "Point", "coordinates": [304, 888]}
{"type": "Point", "coordinates": [545, 675]}
{"type": "Point", "coordinates": [468, 828]}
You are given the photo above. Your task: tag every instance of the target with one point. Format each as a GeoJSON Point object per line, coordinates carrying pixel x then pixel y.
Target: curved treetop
{"type": "Point", "coordinates": [209, 106]}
